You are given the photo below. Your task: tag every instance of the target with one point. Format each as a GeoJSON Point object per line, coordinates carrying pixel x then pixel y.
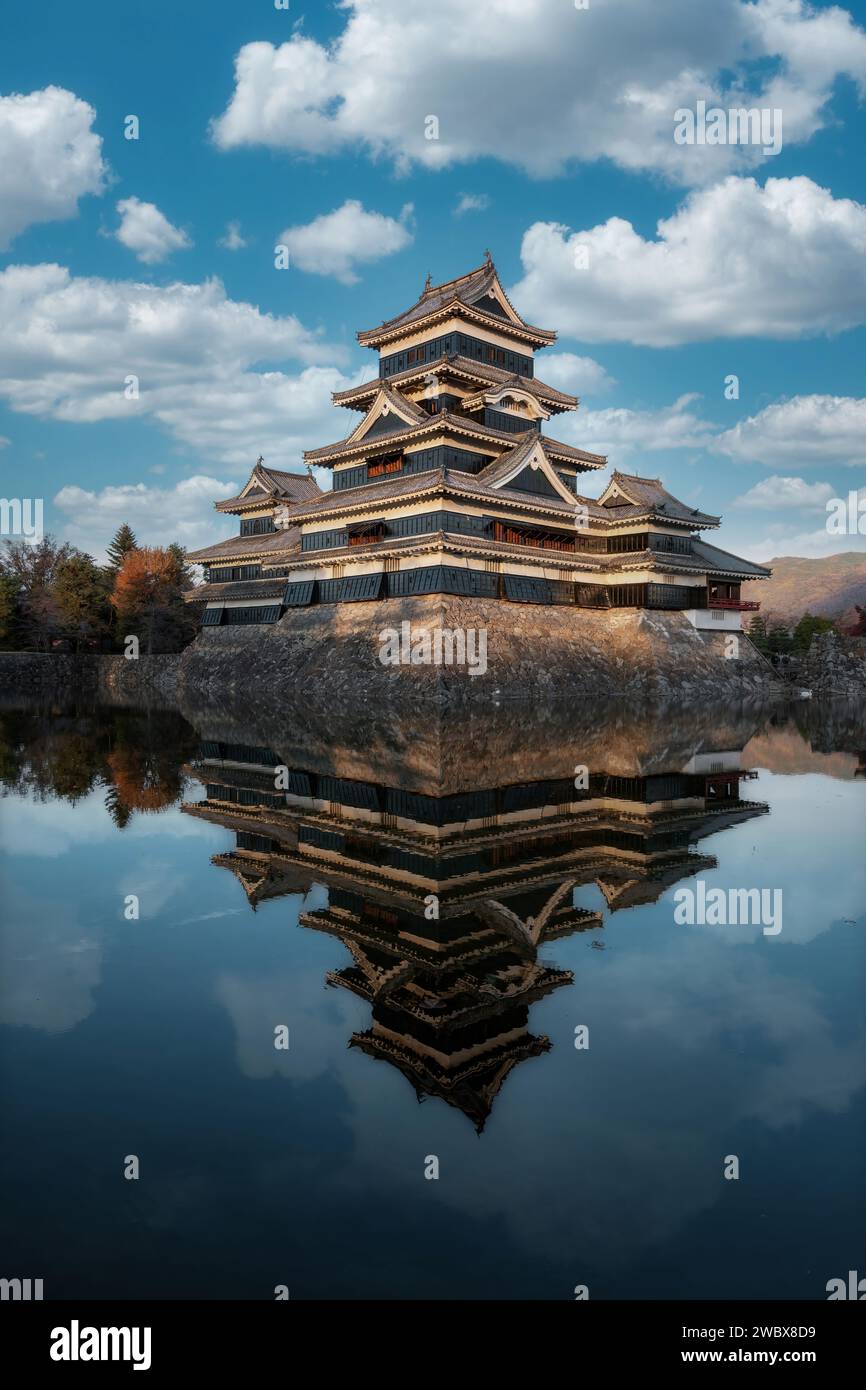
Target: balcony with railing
{"type": "Point", "coordinates": [726, 596]}
{"type": "Point", "coordinates": [735, 605]}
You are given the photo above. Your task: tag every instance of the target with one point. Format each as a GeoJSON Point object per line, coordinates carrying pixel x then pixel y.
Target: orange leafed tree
{"type": "Point", "coordinates": [148, 585]}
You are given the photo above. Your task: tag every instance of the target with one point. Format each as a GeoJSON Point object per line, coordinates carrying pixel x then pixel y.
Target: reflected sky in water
{"type": "Point", "coordinates": [305, 1167]}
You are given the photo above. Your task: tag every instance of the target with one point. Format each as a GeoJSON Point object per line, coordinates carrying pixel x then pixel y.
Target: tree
{"type": "Point", "coordinates": [124, 541]}
{"type": "Point", "coordinates": [806, 629]}
{"type": "Point", "coordinates": [778, 638]}
{"type": "Point", "coordinates": [148, 598]}
{"type": "Point", "coordinates": [758, 633]}
{"type": "Point", "coordinates": [33, 568]}
{"type": "Point", "coordinates": [858, 629]}
{"type": "Point", "coordinates": [81, 597]}
{"type": "Point", "coordinates": [9, 613]}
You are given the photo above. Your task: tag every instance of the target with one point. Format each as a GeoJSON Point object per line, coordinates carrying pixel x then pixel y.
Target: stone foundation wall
{"type": "Point", "coordinates": [835, 666]}
{"type": "Point", "coordinates": [536, 652]}
{"type": "Point", "coordinates": [32, 676]}
{"type": "Point", "coordinates": [38, 677]}
{"type": "Point", "coordinates": [329, 656]}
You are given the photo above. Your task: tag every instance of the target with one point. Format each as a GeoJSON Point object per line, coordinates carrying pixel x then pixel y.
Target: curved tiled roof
{"type": "Point", "coordinates": [245, 588]}
{"type": "Point", "coordinates": [651, 498]}
{"type": "Point", "coordinates": [446, 421]}
{"type": "Point", "coordinates": [273, 483]}
{"type": "Point", "coordinates": [438, 480]}
{"type": "Point", "coordinates": [464, 291]}
{"type": "Point", "coordinates": [466, 366]}
{"type": "Point", "coordinates": [250, 547]}
{"type": "Point", "coordinates": [704, 559]}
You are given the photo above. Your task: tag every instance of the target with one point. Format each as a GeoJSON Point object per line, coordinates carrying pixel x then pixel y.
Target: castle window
{"type": "Point", "coordinates": [258, 526]}
{"type": "Point", "coordinates": [365, 532]}
{"type": "Point", "coordinates": [392, 464]}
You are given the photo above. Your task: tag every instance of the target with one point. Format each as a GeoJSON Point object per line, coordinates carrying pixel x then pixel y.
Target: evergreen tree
{"type": "Point", "coordinates": [758, 633]}
{"type": "Point", "coordinates": [185, 574]}
{"type": "Point", "coordinates": [806, 629]}
{"type": "Point", "coordinates": [778, 638]}
{"type": "Point", "coordinates": [81, 596]}
{"type": "Point", "coordinates": [124, 541]}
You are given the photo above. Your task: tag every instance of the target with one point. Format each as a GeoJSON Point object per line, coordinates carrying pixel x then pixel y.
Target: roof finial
{"type": "Point", "coordinates": [309, 471]}
{"type": "Point", "coordinates": [428, 282]}
{"type": "Point", "coordinates": [488, 258]}
{"type": "Point", "coordinates": [259, 461]}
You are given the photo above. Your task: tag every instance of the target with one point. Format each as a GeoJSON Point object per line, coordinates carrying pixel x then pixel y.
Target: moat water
{"type": "Point", "coordinates": [415, 1017]}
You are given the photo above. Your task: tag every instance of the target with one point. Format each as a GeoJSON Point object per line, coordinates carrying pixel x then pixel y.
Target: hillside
{"type": "Point", "coordinates": [828, 587]}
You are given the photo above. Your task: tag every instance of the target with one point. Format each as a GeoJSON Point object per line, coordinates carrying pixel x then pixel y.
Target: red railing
{"type": "Point", "coordinates": [739, 605]}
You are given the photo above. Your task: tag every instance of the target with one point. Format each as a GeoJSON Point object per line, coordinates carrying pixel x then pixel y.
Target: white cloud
{"type": "Point", "coordinates": [577, 375]}
{"type": "Point", "coordinates": [807, 545]}
{"type": "Point", "coordinates": [69, 343]}
{"type": "Point", "coordinates": [803, 430]}
{"type": "Point", "coordinates": [622, 433]}
{"type": "Point", "coordinates": [147, 232]}
{"type": "Point", "coordinates": [181, 513]}
{"type": "Point", "coordinates": [336, 242]}
{"type": "Point", "coordinates": [735, 261]}
{"type": "Point", "coordinates": [49, 158]}
{"type": "Point", "coordinates": [471, 202]}
{"type": "Point", "coordinates": [778, 494]}
{"type": "Point", "coordinates": [232, 240]}
{"type": "Point", "coordinates": [611, 81]}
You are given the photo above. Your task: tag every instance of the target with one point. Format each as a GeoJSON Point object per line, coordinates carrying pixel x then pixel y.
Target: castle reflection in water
{"type": "Point", "coordinates": [452, 861]}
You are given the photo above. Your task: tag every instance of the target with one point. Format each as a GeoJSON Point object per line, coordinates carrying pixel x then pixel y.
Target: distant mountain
{"type": "Point", "coordinates": [829, 587]}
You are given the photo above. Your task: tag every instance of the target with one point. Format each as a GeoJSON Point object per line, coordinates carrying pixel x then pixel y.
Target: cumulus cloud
{"type": "Point", "coordinates": [577, 375]}
{"type": "Point", "coordinates": [232, 239]}
{"type": "Point", "coordinates": [801, 544]}
{"type": "Point", "coordinates": [621, 432]}
{"type": "Point", "coordinates": [471, 202]}
{"type": "Point", "coordinates": [183, 512]}
{"type": "Point", "coordinates": [786, 494]}
{"type": "Point", "coordinates": [612, 78]}
{"type": "Point", "coordinates": [49, 158]}
{"type": "Point", "coordinates": [148, 232]}
{"type": "Point", "coordinates": [336, 242]}
{"type": "Point", "coordinates": [735, 261]}
{"type": "Point", "coordinates": [69, 345]}
{"type": "Point", "coordinates": [803, 430]}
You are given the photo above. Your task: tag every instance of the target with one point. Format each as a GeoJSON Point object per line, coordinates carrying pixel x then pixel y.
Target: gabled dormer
{"type": "Point", "coordinates": [527, 468]}
{"type": "Point", "coordinates": [389, 413]}
{"type": "Point", "coordinates": [267, 497]}
{"type": "Point", "coordinates": [628, 495]}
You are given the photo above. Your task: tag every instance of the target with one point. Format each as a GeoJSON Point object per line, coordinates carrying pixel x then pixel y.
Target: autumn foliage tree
{"type": "Point", "coordinates": [148, 598]}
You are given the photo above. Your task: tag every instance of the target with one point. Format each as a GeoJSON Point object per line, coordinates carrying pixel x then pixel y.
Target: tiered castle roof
{"type": "Point", "coordinates": [450, 470]}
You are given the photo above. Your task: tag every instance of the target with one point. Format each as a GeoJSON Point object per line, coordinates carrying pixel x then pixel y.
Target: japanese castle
{"type": "Point", "coordinates": [449, 484]}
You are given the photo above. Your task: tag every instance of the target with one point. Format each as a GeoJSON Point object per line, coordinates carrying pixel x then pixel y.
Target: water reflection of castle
{"type": "Point", "coordinates": [444, 902]}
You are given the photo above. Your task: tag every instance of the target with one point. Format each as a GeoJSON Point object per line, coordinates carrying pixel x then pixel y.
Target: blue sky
{"type": "Point", "coordinates": [555, 126]}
